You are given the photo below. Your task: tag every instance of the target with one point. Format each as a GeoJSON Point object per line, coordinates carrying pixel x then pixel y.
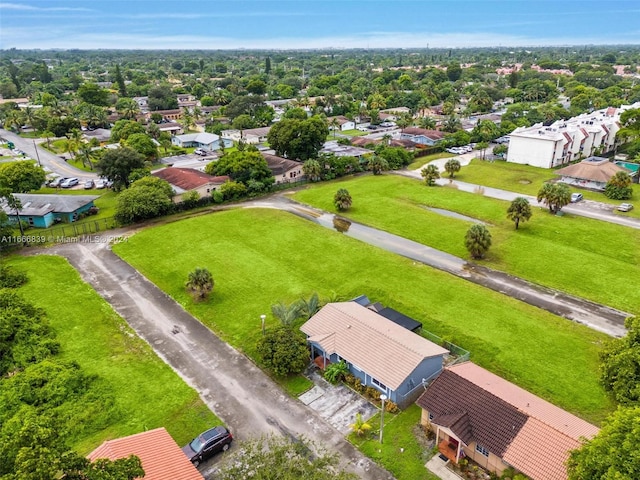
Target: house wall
{"type": "Point", "coordinates": [73, 216]}
{"type": "Point", "coordinates": [537, 152]}
{"type": "Point", "coordinates": [347, 126]}
{"type": "Point", "coordinates": [43, 221]}
{"type": "Point", "coordinates": [293, 175]}
{"type": "Point", "coordinates": [407, 393]}
{"type": "Point", "coordinates": [577, 182]}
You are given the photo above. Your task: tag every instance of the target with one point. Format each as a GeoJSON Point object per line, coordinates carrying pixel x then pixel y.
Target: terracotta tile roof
{"type": "Point", "coordinates": [161, 457]}
{"type": "Point", "coordinates": [279, 165]}
{"type": "Point", "coordinates": [188, 178]}
{"type": "Point", "coordinates": [376, 345]}
{"type": "Point", "coordinates": [526, 402]}
{"type": "Point", "coordinates": [591, 169]}
{"type": "Point", "coordinates": [524, 430]}
{"type": "Point", "coordinates": [540, 452]}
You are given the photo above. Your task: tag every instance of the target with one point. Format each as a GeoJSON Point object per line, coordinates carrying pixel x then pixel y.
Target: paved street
{"type": "Point", "coordinates": [243, 396]}
{"type": "Point", "coordinates": [47, 159]}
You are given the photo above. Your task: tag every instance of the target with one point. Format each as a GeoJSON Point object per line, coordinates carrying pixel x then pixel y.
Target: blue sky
{"type": "Point", "coordinates": [267, 24]}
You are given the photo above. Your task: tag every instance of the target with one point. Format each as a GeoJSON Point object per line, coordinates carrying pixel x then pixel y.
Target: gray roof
{"type": "Point", "coordinates": [203, 137]}
{"type": "Point", "coordinates": [38, 205]}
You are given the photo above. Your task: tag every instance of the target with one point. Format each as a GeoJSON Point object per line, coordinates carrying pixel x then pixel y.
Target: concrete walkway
{"type": "Point", "coordinates": [243, 396]}
{"type": "Point", "coordinates": [438, 467]}
{"type": "Point", "coordinates": [594, 315]}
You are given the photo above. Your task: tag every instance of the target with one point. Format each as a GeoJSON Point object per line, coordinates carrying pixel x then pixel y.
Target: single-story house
{"type": "Point", "coordinates": [283, 169]}
{"type": "Point", "coordinates": [344, 150]}
{"type": "Point", "coordinates": [592, 172]}
{"type": "Point", "coordinates": [381, 353]}
{"type": "Point", "coordinates": [172, 128]}
{"type": "Point", "coordinates": [422, 136]}
{"type": "Point", "coordinates": [184, 180]}
{"type": "Point", "coordinates": [251, 136]}
{"type": "Point", "coordinates": [143, 102]}
{"type": "Point", "coordinates": [174, 114]}
{"type": "Point", "coordinates": [42, 211]}
{"type": "Point", "coordinates": [159, 454]}
{"type": "Point", "coordinates": [204, 140]}
{"type": "Point", "coordinates": [103, 135]}
{"type": "Point", "coordinates": [343, 123]}
{"type": "Point", "coordinates": [481, 416]}
{"type": "Point", "coordinates": [397, 110]}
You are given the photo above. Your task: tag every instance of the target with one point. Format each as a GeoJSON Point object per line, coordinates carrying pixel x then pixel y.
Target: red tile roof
{"type": "Point", "coordinates": [161, 457]}
{"type": "Point", "coordinates": [188, 178]}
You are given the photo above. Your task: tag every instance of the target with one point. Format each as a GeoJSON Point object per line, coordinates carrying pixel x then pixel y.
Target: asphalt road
{"type": "Point", "coordinates": [243, 396]}
{"type": "Point", "coordinates": [599, 317]}
{"type": "Point", "coordinates": [46, 158]}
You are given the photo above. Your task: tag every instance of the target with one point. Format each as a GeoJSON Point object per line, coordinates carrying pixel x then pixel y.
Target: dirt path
{"type": "Point", "coordinates": [232, 386]}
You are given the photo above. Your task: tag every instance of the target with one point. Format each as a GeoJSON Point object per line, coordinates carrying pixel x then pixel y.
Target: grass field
{"type": "Point", "coordinates": [260, 257]}
{"type": "Point", "coordinates": [400, 452]}
{"type": "Point", "coordinates": [148, 394]}
{"type": "Point", "coordinates": [528, 180]}
{"type": "Point", "coordinates": [589, 258]}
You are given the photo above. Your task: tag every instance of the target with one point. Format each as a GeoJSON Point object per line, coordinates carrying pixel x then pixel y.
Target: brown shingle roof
{"type": "Point", "coordinates": [376, 345]}
{"type": "Point", "coordinates": [279, 165]}
{"type": "Point", "coordinates": [432, 134]}
{"type": "Point", "coordinates": [526, 431]}
{"type": "Point", "coordinates": [188, 178]}
{"type": "Point", "coordinates": [161, 457]}
{"type": "Point", "coordinates": [592, 168]}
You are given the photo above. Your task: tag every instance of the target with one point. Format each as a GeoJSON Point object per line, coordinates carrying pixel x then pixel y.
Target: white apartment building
{"type": "Point", "coordinates": [566, 140]}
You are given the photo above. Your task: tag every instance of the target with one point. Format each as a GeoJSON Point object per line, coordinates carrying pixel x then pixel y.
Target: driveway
{"type": "Point", "coordinates": [243, 396]}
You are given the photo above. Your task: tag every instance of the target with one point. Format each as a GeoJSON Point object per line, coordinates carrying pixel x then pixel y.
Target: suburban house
{"type": "Point", "coordinates": [143, 103]}
{"type": "Point", "coordinates": [422, 136]}
{"type": "Point", "coordinates": [344, 150]}
{"type": "Point", "coordinates": [172, 128]}
{"type": "Point", "coordinates": [396, 112]}
{"type": "Point", "coordinates": [251, 136]}
{"type": "Point", "coordinates": [204, 140]}
{"type": "Point", "coordinates": [159, 454]}
{"type": "Point", "coordinates": [566, 140]}
{"type": "Point", "coordinates": [343, 123]}
{"type": "Point", "coordinates": [174, 114]}
{"type": "Point", "coordinates": [42, 211]}
{"type": "Point", "coordinates": [592, 173]}
{"type": "Point", "coordinates": [480, 416]}
{"type": "Point", "coordinates": [184, 180]}
{"type": "Point", "coordinates": [380, 352]}
{"type": "Point", "coordinates": [103, 135]}
{"type": "Point", "coordinates": [283, 169]}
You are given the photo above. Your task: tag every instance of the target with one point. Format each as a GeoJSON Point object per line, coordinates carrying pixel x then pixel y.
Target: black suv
{"type": "Point", "coordinates": [207, 444]}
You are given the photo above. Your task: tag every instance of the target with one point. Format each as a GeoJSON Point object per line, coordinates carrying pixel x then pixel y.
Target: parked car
{"type": "Point", "coordinates": [576, 197]}
{"type": "Point", "coordinates": [88, 185]}
{"type": "Point", "coordinates": [101, 183]}
{"type": "Point", "coordinates": [625, 207]}
{"type": "Point", "coordinates": [207, 444]}
{"type": "Point", "coordinates": [201, 152]}
{"type": "Point", "coordinates": [57, 182]}
{"type": "Point", "coordinates": [70, 182]}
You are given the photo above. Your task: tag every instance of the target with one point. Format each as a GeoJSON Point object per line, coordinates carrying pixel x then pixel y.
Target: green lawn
{"type": "Point", "coordinates": [147, 393]}
{"type": "Point", "coordinates": [528, 180]}
{"type": "Point", "coordinates": [589, 258]}
{"type": "Point", "coordinates": [419, 162]}
{"type": "Point", "coordinates": [400, 451]}
{"type": "Point", "coordinates": [352, 133]}
{"type": "Point", "coordinates": [259, 257]}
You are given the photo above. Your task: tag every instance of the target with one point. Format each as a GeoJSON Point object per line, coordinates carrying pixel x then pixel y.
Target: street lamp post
{"type": "Point", "coordinates": [262, 319]}
{"type": "Point", "coordinates": [35, 147]}
{"type": "Point", "coordinates": [383, 397]}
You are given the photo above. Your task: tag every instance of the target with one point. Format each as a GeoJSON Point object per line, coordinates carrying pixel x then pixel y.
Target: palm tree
{"type": "Point", "coordinates": [477, 240]}
{"type": "Point", "coordinates": [430, 174]}
{"type": "Point", "coordinates": [342, 200]}
{"type": "Point", "coordinates": [200, 283]}
{"type": "Point", "coordinates": [313, 170]}
{"type": "Point", "coordinates": [287, 314]}
{"type": "Point", "coordinates": [334, 124]}
{"type": "Point", "coordinates": [452, 124]}
{"type": "Point", "coordinates": [452, 166]}
{"type": "Point", "coordinates": [386, 138]}
{"type": "Point", "coordinates": [377, 164]}
{"type": "Point", "coordinates": [308, 308]}
{"type": "Point", "coordinates": [555, 195]}
{"type": "Point", "coordinates": [519, 210]}
{"type": "Point", "coordinates": [47, 134]}
{"type": "Point", "coordinates": [427, 122]}
{"type": "Point", "coordinates": [360, 427]}
{"type": "Point", "coordinates": [482, 146]}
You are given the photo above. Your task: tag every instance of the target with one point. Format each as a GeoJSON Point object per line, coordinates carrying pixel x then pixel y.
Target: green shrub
{"type": "Point", "coordinates": [336, 372]}
{"type": "Point", "coordinates": [10, 278]}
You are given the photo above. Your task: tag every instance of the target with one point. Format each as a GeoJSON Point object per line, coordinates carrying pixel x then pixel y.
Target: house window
{"type": "Point", "coordinates": [431, 416]}
{"type": "Point", "coordinates": [379, 384]}
{"type": "Point", "coordinates": [481, 450]}
{"type": "Point", "coordinates": [30, 219]}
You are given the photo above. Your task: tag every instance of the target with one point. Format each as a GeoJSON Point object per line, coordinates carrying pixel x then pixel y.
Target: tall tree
{"type": "Point", "coordinates": [298, 139]}
{"type": "Point", "coordinates": [312, 170]}
{"type": "Point", "coordinates": [452, 166]}
{"type": "Point", "coordinates": [519, 211]}
{"type": "Point", "coordinates": [620, 365]}
{"type": "Point", "coordinates": [21, 177]}
{"type": "Point", "coordinates": [619, 186]}
{"type": "Point", "coordinates": [117, 165]}
{"type": "Point", "coordinates": [555, 195]}
{"type": "Point", "coordinates": [477, 240]}
{"type": "Point", "coordinates": [122, 88]}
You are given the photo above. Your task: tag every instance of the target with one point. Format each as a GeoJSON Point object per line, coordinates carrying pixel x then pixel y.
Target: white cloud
{"type": "Point", "coordinates": [22, 7]}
